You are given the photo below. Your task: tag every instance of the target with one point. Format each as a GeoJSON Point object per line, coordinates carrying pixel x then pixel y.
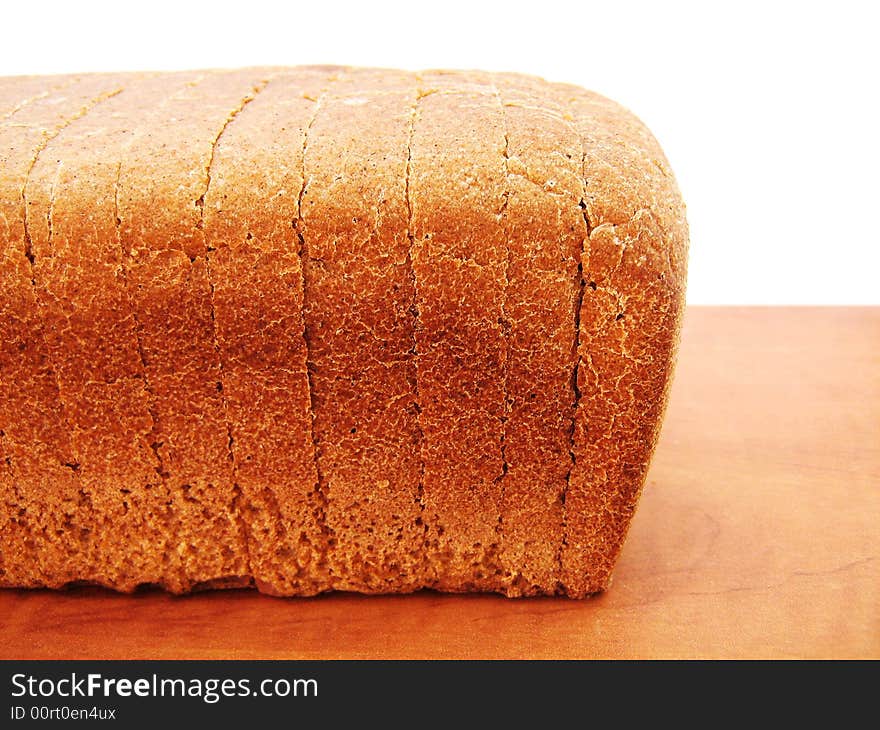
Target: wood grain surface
{"type": "Point", "coordinates": [758, 535]}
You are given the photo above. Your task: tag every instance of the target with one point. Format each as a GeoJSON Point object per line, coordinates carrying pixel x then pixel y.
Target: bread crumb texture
{"type": "Point", "coordinates": [329, 328]}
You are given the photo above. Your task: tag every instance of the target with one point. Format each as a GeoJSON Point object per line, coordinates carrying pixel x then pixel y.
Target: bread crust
{"type": "Point", "coordinates": [47, 533]}
{"type": "Point", "coordinates": [17, 92]}
{"type": "Point", "coordinates": [329, 328]}
{"type": "Point", "coordinates": [359, 323]}
{"type": "Point", "coordinates": [162, 186]}
{"type": "Point", "coordinates": [630, 319]}
{"type": "Point", "coordinates": [251, 209]}
{"type": "Point", "coordinates": [545, 230]}
{"type": "Point", "coordinates": [459, 257]}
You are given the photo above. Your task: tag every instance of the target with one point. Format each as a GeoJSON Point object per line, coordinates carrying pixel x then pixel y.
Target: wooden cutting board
{"type": "Point", "coordinates": [758, 535]}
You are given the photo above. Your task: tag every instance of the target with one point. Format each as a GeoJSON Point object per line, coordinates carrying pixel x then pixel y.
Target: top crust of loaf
{"type": "Point", "coordinates": [329, 328]}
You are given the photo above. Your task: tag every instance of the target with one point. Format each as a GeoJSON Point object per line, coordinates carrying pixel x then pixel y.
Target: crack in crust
{"type": "Point", "coordinates": [28, 252]}
{"type": "Point", "coordinates": [123, 273]}
{"type": "Point", "coordinates": [22, 104]}
{"type": "Point", "coordinates": [152, 438]}
{"type": "Point", "coordinates": [414, 311]}
{"type": "Point", "coordinates": [630, 247]}
{"type": "Point", "coordinates": [29, 255]}
{"type": "Point", "coordinates": [583, 253]}
{"type": "Point", "coordinates": [505, 326]}
{"type": "Point", "coordinates": [200, 203]}
{"type": "Point", "coordinates": [303, 253]}
{"type": "Point", "coordinates": [36, 97]}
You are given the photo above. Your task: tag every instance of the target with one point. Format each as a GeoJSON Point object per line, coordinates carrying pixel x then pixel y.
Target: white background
{"type": "Point", "coordinates": [767, 111]}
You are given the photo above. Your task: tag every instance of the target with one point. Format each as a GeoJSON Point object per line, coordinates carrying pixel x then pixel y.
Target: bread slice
{"type": "Point", "coordinates": [48, 532]}
{"type": "Point", "coordinates": [545, 230]}
{"type": "Point", "coordinates": [94, 339]}
{"type": "Point", "coordinates": [256, 273]}
{"type": "Point", "coordinates": [457, 189]}
{"type": "Point", "coordinates": [359, 323]}
{"type": "Point", "coordinates": [635, 268]}
{"type": "Point", "coordinates": [162, 184]}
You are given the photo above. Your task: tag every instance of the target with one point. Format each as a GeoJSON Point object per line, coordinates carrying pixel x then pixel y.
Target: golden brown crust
{"type": "Point", "coordinates": [90, 336]}
{"type": "Point", "coordinates": [635, 253]}
{"type": "Point", "coordinates": [635, 270]}
{"type": "Point", "coordinates": [257, 280]}
{"type": "Point", "coordinates": [359, 323]}
{"type": "Point", "coordinates": [47, 533]}
{"type": "Point", "coordinates": [459, 257]}
{"type": "Point", "coordinates": [16, 92]}
{"type": "Point", "coordinates": [162, 186]}
{"type": "Point", "coordinates": [545, 230]}
{"type": "Point", "coordinates": [329, 328]}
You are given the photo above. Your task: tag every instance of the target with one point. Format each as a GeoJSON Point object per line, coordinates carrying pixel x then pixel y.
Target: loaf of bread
{"type": "Point", "coordinates": [328, 328]}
